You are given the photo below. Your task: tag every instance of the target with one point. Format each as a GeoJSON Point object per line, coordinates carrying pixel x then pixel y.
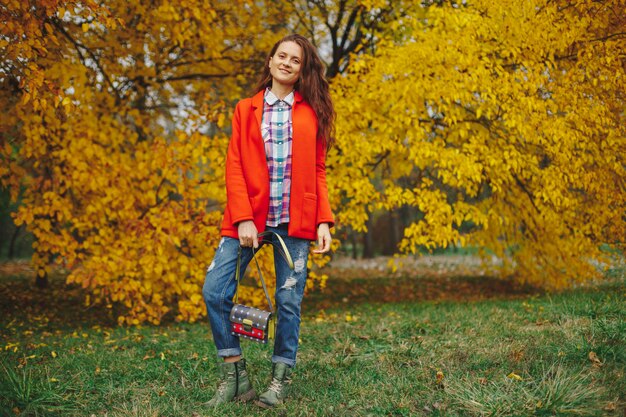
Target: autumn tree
{"type": "Point", "coordinates": [502, 124]}
{"type": "Point", "coordinates": [505, 119]}
{"type": "Point", "coordinates": [343, 30]}
{"type": "Point", "coordinates": [116, 130]}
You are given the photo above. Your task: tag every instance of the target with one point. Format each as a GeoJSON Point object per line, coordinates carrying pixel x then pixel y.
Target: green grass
{"type": "Point", "coordinates": [369, 348]}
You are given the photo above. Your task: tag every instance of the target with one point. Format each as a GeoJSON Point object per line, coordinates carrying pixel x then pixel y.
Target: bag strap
{"type": "Point", "coordinates": [282, 249]}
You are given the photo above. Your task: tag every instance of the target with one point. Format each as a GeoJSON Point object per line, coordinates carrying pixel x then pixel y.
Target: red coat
{"type": "Point", "coordinates": [247, 176]}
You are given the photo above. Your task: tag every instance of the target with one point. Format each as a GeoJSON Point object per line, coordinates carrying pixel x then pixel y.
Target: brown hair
{"type": "Point", "coordinates": [312, 85]}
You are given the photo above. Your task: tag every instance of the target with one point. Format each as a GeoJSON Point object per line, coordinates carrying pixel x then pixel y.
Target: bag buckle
{"type": "Point", "coordinates": [247, 325]}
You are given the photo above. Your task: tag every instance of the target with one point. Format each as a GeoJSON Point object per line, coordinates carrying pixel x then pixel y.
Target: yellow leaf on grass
{"type": "Point", "coordinates": [439, 377]}
{"type": "Point", "coordinates": [515, 376]}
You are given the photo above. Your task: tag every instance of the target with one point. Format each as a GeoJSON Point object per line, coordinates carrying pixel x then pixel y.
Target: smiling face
{"type": "Point", "coordinates": [286, 63]}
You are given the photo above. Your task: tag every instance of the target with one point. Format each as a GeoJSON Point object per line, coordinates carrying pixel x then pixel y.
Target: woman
{"type": "Point", "coordinates": [275, 181]}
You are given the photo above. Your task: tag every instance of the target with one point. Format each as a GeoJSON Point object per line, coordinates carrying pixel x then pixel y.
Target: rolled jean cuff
{"type": "Point", "coordinates": [290, 362]}
{"type": "Point", "coordinates": [225, 353]}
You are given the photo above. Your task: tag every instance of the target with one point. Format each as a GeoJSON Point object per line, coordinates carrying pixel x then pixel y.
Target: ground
{"type": "Point", "coordinates": [437, 338]}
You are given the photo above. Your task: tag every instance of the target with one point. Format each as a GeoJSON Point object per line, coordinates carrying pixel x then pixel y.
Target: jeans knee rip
{"type": "Point", "coordinates": [289, 284]}
{"type": "Point", "coordinates": [298, 265]}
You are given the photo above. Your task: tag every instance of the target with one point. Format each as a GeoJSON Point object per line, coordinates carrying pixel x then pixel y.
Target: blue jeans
{"type": "Point", "coordinates": [220, 286]}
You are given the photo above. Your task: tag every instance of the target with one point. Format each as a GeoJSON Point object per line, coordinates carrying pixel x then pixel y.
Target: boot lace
{"type": "Point", "coordinates": [277, 385]}
{"type": "Point", "coordinates": [221, 388]}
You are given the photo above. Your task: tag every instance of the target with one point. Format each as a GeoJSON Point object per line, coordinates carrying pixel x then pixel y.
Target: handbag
{"type": "Point", "coordinates": [250, 322]}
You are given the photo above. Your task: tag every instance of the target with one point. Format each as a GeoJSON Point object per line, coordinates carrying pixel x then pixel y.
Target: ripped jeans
{"type": "Point", "coordinates": [220, 285]}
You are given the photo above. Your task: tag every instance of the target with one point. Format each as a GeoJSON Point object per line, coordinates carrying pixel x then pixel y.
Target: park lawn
{"type": "Point", "coordinates": [463, 351]}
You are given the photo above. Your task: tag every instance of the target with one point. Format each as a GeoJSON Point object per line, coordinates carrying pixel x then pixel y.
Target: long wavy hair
{"type": "Point", "coordinates": [312, 85]}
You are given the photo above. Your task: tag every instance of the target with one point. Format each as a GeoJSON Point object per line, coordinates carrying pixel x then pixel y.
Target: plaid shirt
{"type": "Point", "coordinates": [277, 132]}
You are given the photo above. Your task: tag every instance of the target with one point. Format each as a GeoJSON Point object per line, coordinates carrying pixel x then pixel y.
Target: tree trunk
{"type": "Point", "coordinates": [368, 239]}
{"type": "Point", "coordinates": [13, 239]}
{"type": "Point", "coordinates": [42, 281]}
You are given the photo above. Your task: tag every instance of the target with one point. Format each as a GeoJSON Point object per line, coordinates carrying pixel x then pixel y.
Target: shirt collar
{"type": "Point", "coordinates": [271, 99]}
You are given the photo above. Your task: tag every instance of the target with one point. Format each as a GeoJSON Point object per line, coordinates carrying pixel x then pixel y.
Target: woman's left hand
{"type": "Point", "coordinates": [323, 238]}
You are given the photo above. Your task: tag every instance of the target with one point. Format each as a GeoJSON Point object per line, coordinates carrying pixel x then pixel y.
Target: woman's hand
{"type": "Point", "coordinates": [323, 238]}
{"type": "Point", "coordinates": [248, 234]}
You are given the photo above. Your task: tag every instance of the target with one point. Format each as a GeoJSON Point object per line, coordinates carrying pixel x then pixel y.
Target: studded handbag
{"type": "Point", "coordinates": [252, 323]}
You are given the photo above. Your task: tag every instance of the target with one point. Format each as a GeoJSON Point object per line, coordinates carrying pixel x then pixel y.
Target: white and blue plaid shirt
{"type": "Point", "coordinates": [277, 133]}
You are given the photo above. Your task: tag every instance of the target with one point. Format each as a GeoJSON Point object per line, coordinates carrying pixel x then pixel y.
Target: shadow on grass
{"type": "Point", "coordinates": [340, 291]}
{"type": "Point", "coordinates": [61, 306]}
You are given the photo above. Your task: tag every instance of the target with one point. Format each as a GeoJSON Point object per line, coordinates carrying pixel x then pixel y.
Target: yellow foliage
{"type": "Point", "coordinates": [122, 176]}
{"type": "Point", "coordinates": [501, 122]}
{"type": "Point", "coordinates": [505, 118]}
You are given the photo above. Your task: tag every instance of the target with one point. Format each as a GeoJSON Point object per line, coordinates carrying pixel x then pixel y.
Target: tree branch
{"type": "Point", "coordinates": [93, 56]}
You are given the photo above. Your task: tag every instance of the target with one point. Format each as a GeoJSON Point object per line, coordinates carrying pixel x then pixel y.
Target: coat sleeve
{"type": "Point", "coordinates": [324, 213]}
{"type": "Point", "coordinates": [238, 202]}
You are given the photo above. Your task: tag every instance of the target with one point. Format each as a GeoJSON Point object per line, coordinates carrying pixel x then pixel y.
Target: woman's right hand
{"type": "Point", "coordinates": [248, 234]}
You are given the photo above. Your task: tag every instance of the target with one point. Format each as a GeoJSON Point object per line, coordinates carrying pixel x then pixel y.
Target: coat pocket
{"type": "Point", "coordinates": [309, 212]}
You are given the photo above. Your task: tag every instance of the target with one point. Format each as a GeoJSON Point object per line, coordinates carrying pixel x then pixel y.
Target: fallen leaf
{"type": "Point", "coordinates": [610, 406]}
{"type": "Point", "coordinates": [594, 358]}
{"type": "Point", "coordinates": [11, 346]}
{"type": "Point", "coordinates": [515, 376]}
{"type": "Point", "coordinates": [439, 377]}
